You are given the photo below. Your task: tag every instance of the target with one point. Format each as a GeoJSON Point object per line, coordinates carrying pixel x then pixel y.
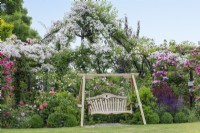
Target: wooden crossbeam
{"type": "Point", "coordinates": [91, 76]}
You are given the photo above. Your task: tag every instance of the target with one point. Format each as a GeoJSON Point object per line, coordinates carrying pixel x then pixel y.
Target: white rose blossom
{"type": "Point", "coordinates": [15, 48]}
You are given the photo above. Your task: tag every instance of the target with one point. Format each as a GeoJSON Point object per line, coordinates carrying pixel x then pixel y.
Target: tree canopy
{"type": "Point", "coordinates": [5, 29]}
{"type": "Point", "coordinates": [16, 14]}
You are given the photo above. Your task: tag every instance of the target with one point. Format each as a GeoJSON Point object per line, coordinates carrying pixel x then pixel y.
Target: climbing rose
{"type": "Point", "coordinates": [198, 69]}
{"type": "Point", "coordinates": [198, 99]}
{"type": "Point", "coordinates": [45, 104]}
{"type": "Point", "coordinates": [21, 102]}
{"type": "Point", "coordinates": [7, 113]}
{"type": "Point", "coordinates": [41, 107]}
{"type": "Point", "coordinates": [52, 92]}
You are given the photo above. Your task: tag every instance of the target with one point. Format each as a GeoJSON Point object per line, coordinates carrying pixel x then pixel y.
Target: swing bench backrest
{"type": "Point", "coordinates": [108, 104]}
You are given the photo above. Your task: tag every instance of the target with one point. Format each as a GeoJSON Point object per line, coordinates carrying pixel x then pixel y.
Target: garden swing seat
{"type": "Point", "coordinates": [108, 104]}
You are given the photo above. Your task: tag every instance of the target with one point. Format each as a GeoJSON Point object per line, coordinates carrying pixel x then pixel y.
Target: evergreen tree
{"type": "Point", "coordinates": [17, 15]}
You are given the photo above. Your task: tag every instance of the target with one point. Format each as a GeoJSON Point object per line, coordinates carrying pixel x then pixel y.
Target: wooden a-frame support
{"type": "Point", "coordinates": [125, 75]}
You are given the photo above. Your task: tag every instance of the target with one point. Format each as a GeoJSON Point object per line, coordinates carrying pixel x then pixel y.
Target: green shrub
{"type": "Point", "coordinates": [192, 114]}
{"type": "Point", "coordinates": [146, 96]}
{"type": "Point", "coordinates": [166, 118]}
{"type": "Point", "coordinates": [36, 121]}
{"type": "Point", "coordinates": [197, 107]}
{"type": "Point", "coordinates": [60, 103]}
{"type": "Point", "coordinates": [153, 118]}
{"type": "Point", "coordinates": [54, 120]}
{"type": "Point", "coordinates": [66, 104]}
{"type": "Point", "coordinates": [180, 117]}
{"type": "Point", "coordinates": [148, 104]}
{"type": "Point", "coordinates": [70, 121]}
{"type": "Point", "coordinates": [150, 115]}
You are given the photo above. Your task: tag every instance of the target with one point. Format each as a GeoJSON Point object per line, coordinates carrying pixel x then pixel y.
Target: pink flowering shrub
{"type": "Point", "coordinates": [164, 61]}
{"type": "Point", "coordinates": [7, 69]}
{"type": "Point", "coordinates": [6, 87]}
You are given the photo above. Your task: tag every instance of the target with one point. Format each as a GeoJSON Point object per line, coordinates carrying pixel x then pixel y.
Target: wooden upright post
{"type": "Point", "coordinates": [138, 99]}
{"type": "Point", "coordinates": [83, 100]}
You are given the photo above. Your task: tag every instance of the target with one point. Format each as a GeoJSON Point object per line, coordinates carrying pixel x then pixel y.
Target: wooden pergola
{"type": "Point", "coordinates": [134, 88]}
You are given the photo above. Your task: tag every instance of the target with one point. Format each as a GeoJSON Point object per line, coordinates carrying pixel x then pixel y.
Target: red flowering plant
{"type": "Point", "coordinates": [43, 104]}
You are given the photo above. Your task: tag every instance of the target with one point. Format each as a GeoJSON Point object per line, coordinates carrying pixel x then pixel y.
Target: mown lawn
{"type": "Point", "coordinates": [161, 128]}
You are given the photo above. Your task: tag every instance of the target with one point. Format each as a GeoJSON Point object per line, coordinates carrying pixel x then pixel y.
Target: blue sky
{"type": "Point", "coordinates": [160, 19]}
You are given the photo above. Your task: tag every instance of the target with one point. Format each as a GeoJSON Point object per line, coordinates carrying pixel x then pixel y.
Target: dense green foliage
{"type": "Point", "coordinates": [5, 29]}
{"type": "Point", "coordinates": [70, 121]}
{"type": "Point", "coordinates": [36, 121]}
{"type": "Point", "coordinates": [54, 120]}
{"type": "Point", "coordinates": [149, 104]}
{"type": "Point", "coordinates": [180, 117]}
{"type": "Point", "coordinates": [166, 118]}
{"type": "Point", "coordinates": [61, 120]}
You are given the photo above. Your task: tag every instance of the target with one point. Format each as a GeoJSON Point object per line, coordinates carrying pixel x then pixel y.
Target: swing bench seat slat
{"type": "Point", "coordinates": [108, 104]}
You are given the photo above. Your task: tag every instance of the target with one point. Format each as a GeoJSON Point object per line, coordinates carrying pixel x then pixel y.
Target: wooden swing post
{"type": "Point", "coordinates": [83, 100]}
{"type": "Point", "coordinates": [138, 99]}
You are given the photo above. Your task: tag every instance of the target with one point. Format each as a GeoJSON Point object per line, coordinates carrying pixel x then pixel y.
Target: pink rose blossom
{"type": "Point", "coordinates": [198, 98]}
{"type": "Point", "coordinates": [7, 113]}
{"type": "Point", "coordinates": [45, 104]}
{"type": "Point", "coordinates": [21, 102]}
{"type": "Point", "coordinates": [41, 107]}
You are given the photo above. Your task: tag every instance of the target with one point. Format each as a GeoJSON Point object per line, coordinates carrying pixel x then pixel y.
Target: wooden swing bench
{"type": "Point", "coordinates": [108, 104]}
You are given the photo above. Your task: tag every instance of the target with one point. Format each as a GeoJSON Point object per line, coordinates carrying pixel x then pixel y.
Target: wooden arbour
{"type": "Point", "coordinates": [125, 75]}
